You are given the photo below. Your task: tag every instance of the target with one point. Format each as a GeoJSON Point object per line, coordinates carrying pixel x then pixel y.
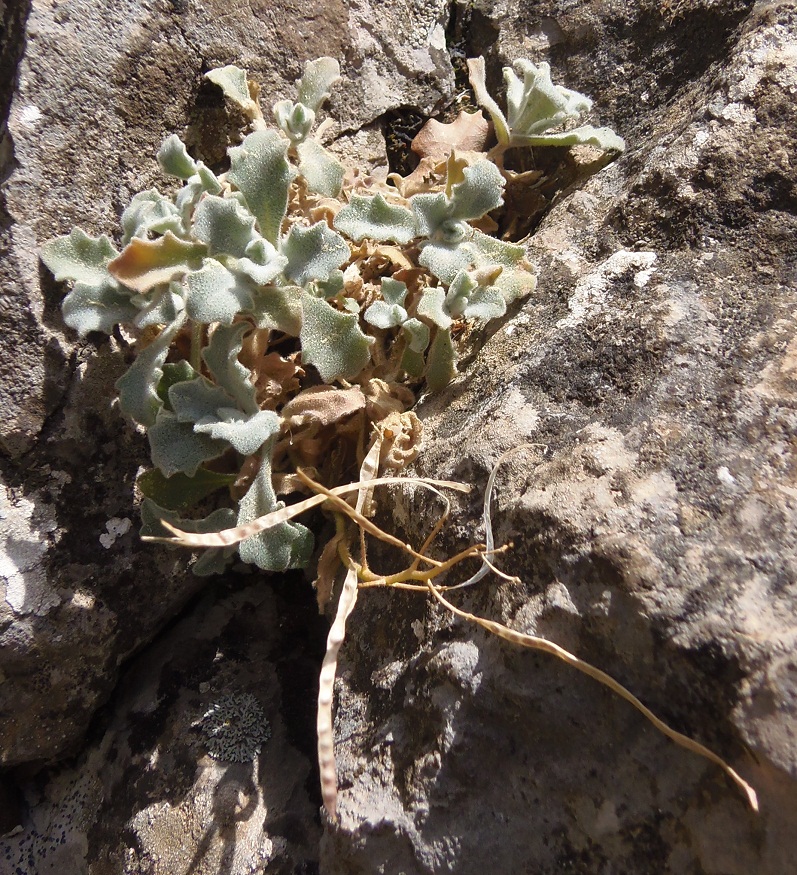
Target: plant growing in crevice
{"type": "Point", "coordinates": [286, 313]}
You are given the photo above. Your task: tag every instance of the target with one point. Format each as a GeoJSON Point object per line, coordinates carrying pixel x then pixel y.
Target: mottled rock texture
{"type": "Point", "coordinates": [654, 533]}
{"type": "Point", "coordinates": [654, 529]}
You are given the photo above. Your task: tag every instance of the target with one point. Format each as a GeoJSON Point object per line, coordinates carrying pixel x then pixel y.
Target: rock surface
{"type": "Point", "coordinates": [653, 529]}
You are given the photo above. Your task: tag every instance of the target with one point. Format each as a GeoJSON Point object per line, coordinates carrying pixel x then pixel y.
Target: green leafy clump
{"type": "Point", "coordinates": [284, 309]}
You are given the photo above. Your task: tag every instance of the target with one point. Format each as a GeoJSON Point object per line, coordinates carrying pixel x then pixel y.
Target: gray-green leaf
{"type": "Point", "coordinates": [478, 193]}
{"type": "Point", "coordinates": [176, 446]}
{"type": "Point", "coordinates": [322, 172]}
{"type": "Point", "coordinates": [288, 545]}
{"type": "Point", "coordinates": [197, 399]}
{"type": "Point", "coordinates": [224, 225]}
{"type": "Point", "coordinates": [149, 211]}
{"type": "Point", "coordinates": [373, 217]}
{"type": "Point", "coordinates": [246, 434]}
{"type": "Point", "coordinates": [432, 306]}
{"type": "Point", "coordinates": [79, 257]}
{"type": "Point", "coordinates": [174, 159]}
{"type": "Point", "coordinates": [215, 294]}
{"type": "Point", "coordinates": [98, 307]}
{"type": "Point", "coordinates": [221, 357]}
{"type": "Point", "coordinates": [332, 341]}
{"type": "Point", "coordinates": [232, 81]}
{"type": "Point", "coordinates": [138, 388]}
{"type": "Point", "coordinates": [442, 362]}
{"type": "Point", "coordinates": [261, 171]}
{"type": "Point", "coordinates": [279, 308]}
{"type": "Point", "coordinates": [313, 253]}
{"type": "Point", "coordinates": [317, 79]}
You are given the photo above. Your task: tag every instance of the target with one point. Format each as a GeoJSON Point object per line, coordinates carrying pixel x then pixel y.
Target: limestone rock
{"type": "Point", "coordinates": [653, 524]}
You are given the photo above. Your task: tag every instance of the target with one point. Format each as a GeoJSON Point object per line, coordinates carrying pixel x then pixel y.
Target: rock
{"type": "Point", "coordinates": [653, 524]}
{"type": "Point", "coordinates": [151, 794]}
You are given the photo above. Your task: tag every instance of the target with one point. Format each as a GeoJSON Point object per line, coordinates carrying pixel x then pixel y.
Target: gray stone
{"type": "Point", "coordinates": [653, 527]}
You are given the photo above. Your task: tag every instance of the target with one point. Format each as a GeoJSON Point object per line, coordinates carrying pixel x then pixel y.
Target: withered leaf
{"type": "Point", "coordinates": [469, 132]}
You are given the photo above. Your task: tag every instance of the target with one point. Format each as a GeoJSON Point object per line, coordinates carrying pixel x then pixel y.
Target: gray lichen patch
{"type": "Point", "coordinates": [23, 545]}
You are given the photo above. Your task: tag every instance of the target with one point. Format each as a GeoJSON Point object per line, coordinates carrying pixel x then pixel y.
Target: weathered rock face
{"type": "Point", "coordinates": [653, 525]}
{"type": "Point", "coordinates": [653, 528]}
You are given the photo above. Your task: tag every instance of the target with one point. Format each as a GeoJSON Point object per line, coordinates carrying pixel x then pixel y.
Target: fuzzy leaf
{"type": "Point", "coordinates": [294, 119]}
{"type": "Point", "coordinates": [484, 304]}
{"type": "Point", "coordinates": [432, 306]}
{"type": "Point", "coordinates": [263, 263]}
{"type": "Point", "coordinates": [79, 258]}
{"type": "Point", "coordinates": [215, 294]}
{"type": "Point", "coordinates": [417, 334]}
{"type": "Point", "coordinates": [174, 158]}
{"type": "Point", "coordinates": [393, 291]}
{"type": "Point", "coordinates": [224, 225]}
{"type": "Point", "coordinates": [246, 434]}
{"type": "Point", "coordinates": [479, 192]}
{"type": "Point", "coordinates": [442, 362]}
{"type": "Point", "coordinates": [288, 545]}
{"type": "Point", "coordinates": [97, 307]}
{"type": "Point", "coordinates": [260, 170]}
{"type": "Point", "coordinates": [138, 387]}
{"type": "Point", "coordinates": [180, 492]}
{"type": "Point", "coordinates": [197, 399]}
{"type": "Point", "coordinates": [323, 405]}
{"type": "Point", "coordinates": [446, 260]}
{"type": "Point", "coordinates": [430, 211]}
{"type": "Point", "coordinates": [279, 308]}
{"type": "Point", "coordinates": [332, 341]}
{"type": "Point", "coordinates": [160, 307]}
{"type": "Point", "coordinates": [176, 447]}
{"type": "Point", "coordinates": [313, 253]}
{"type": "Point", "coordinates": [145, 264]}
{"type": "Point", "coordinates": [202, 182]}
{"type": "Point", "coordinates": [333, 286]}
{"type": "Point", "coordinates": [213, 560]}
{"type": "Point", "coordinates": [383, 315]}
{"type": "Point", "coordinates": [150, 212]}
{"type": "Point", "coordinates": [221, 357]}
{"type": "Point", "coordinates": [515, 284]}
{"type": "Point", "coordinates": [535, 104]}
{"type": "Point", "coordinates": [317, 79]}
{"type": "Point", "coordinates": [478, 81]}
{"type": "Point", "coordinates": [412, 362]}
{"type": "Point", "coordinates": [232, 81]}
{"type": "Point", "coordinates": [375, 218]}
{"type": "Point", "coordinates": [173, 373]}
{"type": "Point", "coordinates": [323, 173]}
{"type": "Point", "coordinates": [603, 138]}
{"type": "Point", "coordinates": [488, 250]}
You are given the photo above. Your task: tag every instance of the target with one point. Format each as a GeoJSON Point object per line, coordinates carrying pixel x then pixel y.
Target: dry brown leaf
{"type": "Point", "coordinates": [383, 398]}
{"type": "Point", "coordinates": [284, 484]}
{"type": "Point", "coordinates": [326, 571]}
{"type": "Point", "coordinates": [469, 132]}
{"type": "Point", "coordinates": [323, 405]}
{"type": "Point", "coordinates": [401, 440]}
{"type": "Point", "coordinates": [430, 174]}
{"type": "Point", "coordinates": [395, 256]}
